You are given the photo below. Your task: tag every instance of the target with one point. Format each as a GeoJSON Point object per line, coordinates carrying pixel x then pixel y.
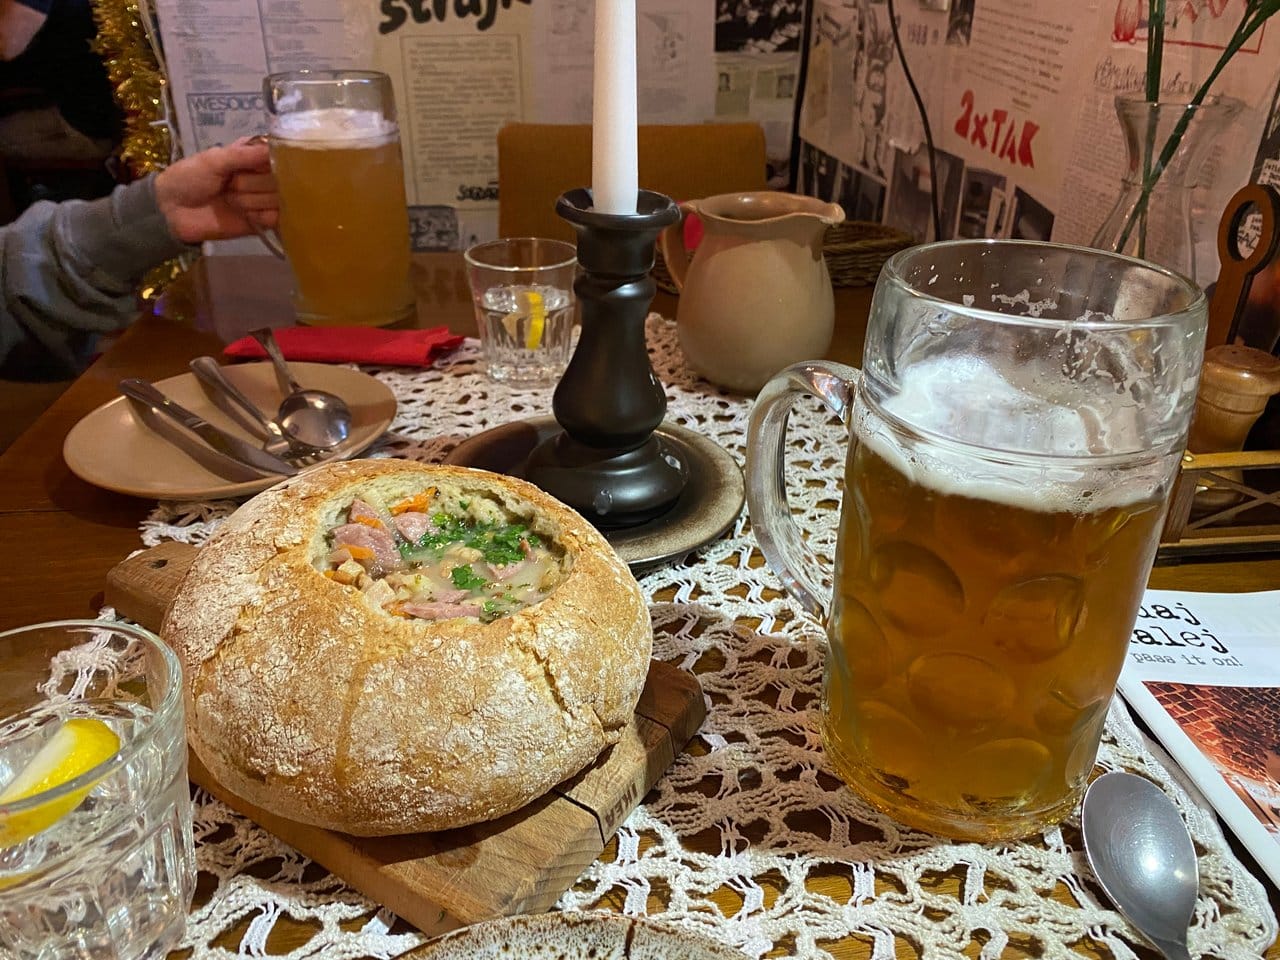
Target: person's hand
{"type": "Point", "coordinates": [219, 193]}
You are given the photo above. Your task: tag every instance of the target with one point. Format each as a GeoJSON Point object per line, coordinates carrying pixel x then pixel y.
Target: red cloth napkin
{"type": "Point", "coordinates": [400, 348]}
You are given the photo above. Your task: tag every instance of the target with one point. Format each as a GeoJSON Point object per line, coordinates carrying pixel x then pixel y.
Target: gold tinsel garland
{"type": "Point", "coordinates": [139, 85]}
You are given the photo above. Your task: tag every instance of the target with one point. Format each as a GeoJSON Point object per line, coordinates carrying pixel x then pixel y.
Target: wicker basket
{"type": "Point", "coordinates": [857, 249]}
{"type": "Point", "coordinates": [855, 252]}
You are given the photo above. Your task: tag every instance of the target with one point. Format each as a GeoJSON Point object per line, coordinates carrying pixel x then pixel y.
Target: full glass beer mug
{"type": "Point", "coordinates": [1014, 434]}
{"type": "Point", "coordinates": [344, 223]}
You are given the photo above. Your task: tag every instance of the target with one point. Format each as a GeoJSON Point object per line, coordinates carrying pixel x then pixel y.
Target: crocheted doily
{"type": "Point", "coordinates": [751, 807]}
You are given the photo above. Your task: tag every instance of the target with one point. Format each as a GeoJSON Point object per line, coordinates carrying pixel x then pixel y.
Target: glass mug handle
{"type": "Point", "coordinates": [784, 549]}
{"type": "Point", "coordinates": [270, 239]}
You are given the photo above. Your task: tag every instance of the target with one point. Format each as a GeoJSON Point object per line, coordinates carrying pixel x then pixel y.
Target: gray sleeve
{"type": "Point", "coordinates": [69, 271]}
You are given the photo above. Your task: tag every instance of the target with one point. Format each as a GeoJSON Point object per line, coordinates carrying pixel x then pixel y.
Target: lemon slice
{"type": "Point", "coordinates": [537, 319]}
{"type": "Point", "coordinates": [78, 746]}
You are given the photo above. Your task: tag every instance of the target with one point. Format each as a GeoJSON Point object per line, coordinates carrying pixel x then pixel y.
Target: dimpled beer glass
{"type": "Point", "coordinates": [344, 224]}
{"type": "Point", "coordinates": [1014, 435]}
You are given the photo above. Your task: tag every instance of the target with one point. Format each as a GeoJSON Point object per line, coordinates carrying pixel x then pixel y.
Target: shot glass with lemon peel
{"type": "Point", "coordinates": [57, 779]}
{"type": "Point", "coordinates": [96, 847]}
{"type": "Point", "coordinates": [524, 301]}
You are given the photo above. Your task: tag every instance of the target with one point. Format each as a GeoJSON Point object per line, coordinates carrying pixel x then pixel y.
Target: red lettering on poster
{"type": "Point", "coordinates": [998, 117]}
{"type": "Point", "coordinates": [979, 136]}
{"type": "Point", "coordinates": [1001, 132]}
{"type": "Point", "coordinates": [966, 107]}
{"type": "Point", "coordinates": [1029, 130]}
{"type": "Point", "coordinates": [1007, 149]}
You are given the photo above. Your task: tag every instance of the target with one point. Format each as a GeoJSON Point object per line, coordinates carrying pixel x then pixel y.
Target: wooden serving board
{"type": "Point", "coordinates": [520, 863]}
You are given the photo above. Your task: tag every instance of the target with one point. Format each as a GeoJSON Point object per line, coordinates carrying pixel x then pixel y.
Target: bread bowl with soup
{"type": "Point", "coordinates": [382, 647]}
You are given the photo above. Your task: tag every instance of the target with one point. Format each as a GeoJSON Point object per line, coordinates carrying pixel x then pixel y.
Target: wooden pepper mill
{"type": "Point", "coordinates": [1235, 385]}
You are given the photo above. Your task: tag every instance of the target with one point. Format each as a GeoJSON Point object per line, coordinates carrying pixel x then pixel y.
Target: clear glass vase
{"type": "Point", "coordinates": [1156, 225]}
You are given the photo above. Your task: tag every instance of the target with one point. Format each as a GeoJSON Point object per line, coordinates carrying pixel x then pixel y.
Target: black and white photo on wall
{"type": "Point", "coordinates": [984, 204]}
{"type": "Point", "coordinates": [817, 175]}
{"type": "Point", "coordinates": [960, 22]}
{"type": "Point", "coordinates": [433, 228]}
{"type": "Point", "coordinates": [759, 26]}
{"type": "Point", "coordinates": [859, 194]}
{"type": "Point", "coordinates": [1031, 220]}
{"type": "Point", "coordinates": [910, 192]}
{"type": "Point", "coordinates": [849, 61]}
{"type": "Point", "coordinates": [823, 176]}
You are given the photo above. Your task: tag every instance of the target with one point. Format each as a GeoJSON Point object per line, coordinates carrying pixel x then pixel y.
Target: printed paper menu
{"type": "Point", "coordinates": [1203, 670]}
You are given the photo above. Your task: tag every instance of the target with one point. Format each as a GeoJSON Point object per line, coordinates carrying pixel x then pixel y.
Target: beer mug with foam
{"type": "Point", "coordinates": [1014, 434]}
{"type": "Point", "coordinates": [344, 223]}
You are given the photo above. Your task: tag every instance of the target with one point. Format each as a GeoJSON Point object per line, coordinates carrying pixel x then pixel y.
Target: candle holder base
{"type": "Point", "coordinates": [707, 505]}
{"type": "Point", "coordinates": [613, 489]}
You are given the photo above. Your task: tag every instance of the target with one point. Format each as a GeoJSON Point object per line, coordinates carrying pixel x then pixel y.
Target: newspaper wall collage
{"type": "Point", "coordinates": [463, 68]}
{"type": "Point", "coordinates": [1019, 94]}
{"type": "Point", "coordinates": [1020, 98]}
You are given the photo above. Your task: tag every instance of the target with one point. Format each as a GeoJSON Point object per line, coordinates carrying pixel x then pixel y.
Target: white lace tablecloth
{"type": "Point", "coordinates": [754, 809]}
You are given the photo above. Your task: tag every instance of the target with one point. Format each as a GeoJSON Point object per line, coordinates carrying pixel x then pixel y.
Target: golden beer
{"type": "Point", "coordinates": [1014, 430]}
{"type": "Point", "coordinates": [344, 223]}
{"type": "Point", "coordinates": [977, 631]}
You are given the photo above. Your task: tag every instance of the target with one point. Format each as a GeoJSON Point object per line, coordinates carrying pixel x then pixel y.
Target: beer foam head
{"type": "Point", "coordinates": [332, 125]}
{"type": "Point", "coordinates": [1017, 437]}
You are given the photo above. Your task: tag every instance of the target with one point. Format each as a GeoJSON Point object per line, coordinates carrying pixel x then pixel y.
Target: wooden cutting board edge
{"type": "Point", "coordinates": [520, 863]}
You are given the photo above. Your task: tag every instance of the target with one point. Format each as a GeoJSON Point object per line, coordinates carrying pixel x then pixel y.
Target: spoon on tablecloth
{"type": "Point", "coordinates": [316, 418]}
{"type": "Point", "coordinates": [1141, 853]}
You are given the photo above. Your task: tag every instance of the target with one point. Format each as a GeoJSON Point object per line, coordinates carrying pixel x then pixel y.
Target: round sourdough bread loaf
{"type": "Point", "coordinates": [313, 703]}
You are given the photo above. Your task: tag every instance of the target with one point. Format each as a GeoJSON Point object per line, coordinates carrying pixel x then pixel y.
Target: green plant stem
{"type": "Point", "coordinates": [1155, 47]}
{"type": "Point", "coordinates": [1155, 60]}
{"type": "Point", "coordinates": [1244, 30]}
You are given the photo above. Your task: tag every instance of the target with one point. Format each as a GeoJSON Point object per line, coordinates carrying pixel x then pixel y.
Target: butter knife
{"type": "Point", "coordinates": [231, 447]}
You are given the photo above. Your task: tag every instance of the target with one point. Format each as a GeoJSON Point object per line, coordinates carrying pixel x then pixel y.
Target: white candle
{"type": "Point", "coordinates": [614, 177]}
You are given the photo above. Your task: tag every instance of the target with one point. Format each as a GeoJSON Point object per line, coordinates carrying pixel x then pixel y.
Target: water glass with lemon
{"type": "Point", "coordinates": [96, 853]}
{"type": "Point", "coordinates": [523, 293]}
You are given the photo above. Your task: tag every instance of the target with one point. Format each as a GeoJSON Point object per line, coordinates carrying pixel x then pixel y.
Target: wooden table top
{"type": "Point", "coordinates": [60, 536]}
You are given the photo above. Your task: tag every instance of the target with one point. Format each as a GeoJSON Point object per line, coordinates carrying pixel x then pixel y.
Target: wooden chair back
{"type": "Point", "coordinates": [539, 161]}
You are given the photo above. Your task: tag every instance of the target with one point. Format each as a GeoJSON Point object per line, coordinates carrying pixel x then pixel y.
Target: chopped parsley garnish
{"type": "Point", "coordinates": [499, 544]}
{"type": "Point", "coordinates": [496, 607]}
{"type": "Point", "coordinates": [464, 578]}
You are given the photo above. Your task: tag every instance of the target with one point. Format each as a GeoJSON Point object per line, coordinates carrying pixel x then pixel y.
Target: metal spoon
{"type": "Point", "coordinates": [1141, 853]}
{"type": "Point", "coordinates": [208, 371]}
{"type": "Point", "coordinates": [314, 417]}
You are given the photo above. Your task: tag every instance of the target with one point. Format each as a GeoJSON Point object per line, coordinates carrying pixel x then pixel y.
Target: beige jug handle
{"type": "Point", "coordinates": [674, 253]}
{"type": "Point", "coordinates": [270, 238]}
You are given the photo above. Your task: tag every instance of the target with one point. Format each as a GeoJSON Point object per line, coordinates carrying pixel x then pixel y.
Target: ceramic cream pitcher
{"type": "Point", "coordinates": [757, 296]}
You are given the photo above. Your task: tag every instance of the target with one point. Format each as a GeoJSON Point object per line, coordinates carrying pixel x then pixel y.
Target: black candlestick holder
{"type": "Point", "coordinates": [607, 463]}
{"type": "Point", "coordinates": [656, 490]}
